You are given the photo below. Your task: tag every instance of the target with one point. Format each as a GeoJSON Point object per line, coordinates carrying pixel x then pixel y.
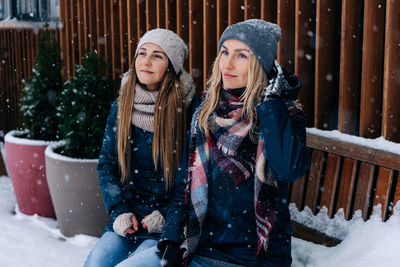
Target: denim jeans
{"type": "Point", "coordinates": [112, 249]}
{"type": "Point", "coordinates": [199, 261]}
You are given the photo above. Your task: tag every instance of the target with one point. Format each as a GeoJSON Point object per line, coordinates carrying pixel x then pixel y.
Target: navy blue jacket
{"type": "Point", "coordinates": [229, 227]}
{"type": "Point", "coordinates": [145, 191]}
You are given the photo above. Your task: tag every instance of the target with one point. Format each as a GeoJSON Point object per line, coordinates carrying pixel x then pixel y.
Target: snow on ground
{"type": "Point", "coordinates": [35, 241]}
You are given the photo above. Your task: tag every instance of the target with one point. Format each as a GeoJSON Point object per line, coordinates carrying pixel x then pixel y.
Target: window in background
{"type": "Point", "coordinates": [5, 9]}
{"type": "Point", "coordinates": [38, 10]}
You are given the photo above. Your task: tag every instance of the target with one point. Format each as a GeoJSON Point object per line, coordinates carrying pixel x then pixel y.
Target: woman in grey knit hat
{"type": "Point", "coordinates": [247, 141]}
{"type": "Point", "coordinates": [142, 147]}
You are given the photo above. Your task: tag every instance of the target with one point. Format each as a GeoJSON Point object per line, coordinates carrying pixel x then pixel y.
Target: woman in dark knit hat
{"type": "Point", "coordinates": [142, 148]}
{"type": "Point", "coordinates": [247, 141]}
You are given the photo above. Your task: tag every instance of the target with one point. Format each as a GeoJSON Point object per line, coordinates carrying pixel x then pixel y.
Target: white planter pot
{"type": "Point", "coordinates": [74, 189]}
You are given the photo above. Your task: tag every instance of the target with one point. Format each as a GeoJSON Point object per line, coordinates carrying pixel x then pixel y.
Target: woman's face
{"type": "Point", "coordinates": [234, 63]}
{"type": "Point", "coordinates": [150, 65]}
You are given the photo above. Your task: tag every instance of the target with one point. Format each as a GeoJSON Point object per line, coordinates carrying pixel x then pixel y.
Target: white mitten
{"type": "Point", "coordinates": [122, 222]}
{"type": "Point", "coordinates": [154, 221]}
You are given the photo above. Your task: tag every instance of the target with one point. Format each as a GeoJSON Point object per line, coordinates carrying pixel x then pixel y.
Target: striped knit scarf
{"type": "Point", "coordinates": [227, 131]}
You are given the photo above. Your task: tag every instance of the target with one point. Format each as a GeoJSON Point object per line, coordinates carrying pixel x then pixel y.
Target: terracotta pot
{"type": "Point", "coordinates": [74, 188]}
{"type": "Point", "coordinates": [26, 168]}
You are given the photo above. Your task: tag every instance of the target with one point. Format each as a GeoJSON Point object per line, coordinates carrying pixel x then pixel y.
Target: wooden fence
{"type": "Point", "coordinates": [18, 47]}
{"type": "Point", "coordinates": [347, 54]}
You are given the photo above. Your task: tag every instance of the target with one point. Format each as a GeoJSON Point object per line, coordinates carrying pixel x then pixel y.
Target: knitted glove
{"type": "Point", "coordinates": [122, 222]}
{"type": "Point", "coordinates": [276, 84]}
{"type": "Point", "coordinates": [170, 254]}
{"type": "Point", "coordinates": [154, 222]}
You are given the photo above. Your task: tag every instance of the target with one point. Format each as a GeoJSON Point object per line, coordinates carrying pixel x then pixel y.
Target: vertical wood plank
{"type": "Point", "coordinates": [2, 89]}
{"type": "Point", "coordinates": [123, 36]}
{"type": "Point", "coordinates": [115, 40]}
{"type": "Point", "coordinates": [160, 10]}
{"type": "Point", "coordinates": [363, 190]}
{"type": "Point", "coordinates": [17, 60]}
{"type": "Point", "coordinates": [235, 11]}
{"type": "Point", "coordinates": [24, 56]}
{"type": "Point", "coordinates": [132, 31]}
{"type": "Point", "coordinates": [286, 20]}
{"type": "Point", "coordinates": [80, 31]}
{"type": "Point", "coordinates": [67, 51]}
{"type": "Point", "coordinates": [304, 54]}
{"type": "Point", "coordinates": [268, 10]}
{"type": "Point", "coordinates": [182, 24]}
{"type": "Point", "coordinates": [298, 191]}
{"type": "Point", "coordinates": [75, 57]}
{"type": "Point", "coordinates": [170, 15]}
{"type": "Point", "coordinates": [350, 67]}
{"type": "Point", "coordinates": [391, 78]}
{"type": "Point", "coordinates": [100, 29]}
{"type": "Point", "coordinates": [91, 26]}
{"type": "Point", "coordinates": [13, 98]}
{"type": "Point", "coordinates": [314, 181]}
{"type": "Point", "coordinates": [222, 17]}
{"type": "Point", "coordinates": [196, 42]}
{"type": "Point", "coordinates": [383, 186]}
{"type": "Point", "coordinates": [325, 66]}
{"type": "Point", "coordinates": [182, 19]}
{"type": "Point", "coordinates": [141, 17]}
{"type": "Point", "coordinates": [330, 183]}
{"type": "Point", "coordinates": [151, 15]}
{"type": "Point", "coordinates": [346, 187]}
{"type": "Point", "coordinates": [252, 9]}
{"type": "Point", "coordinates": [29, 44]}
{"type": "Point", "coordinates": [107, 7]}
{"type": "Point", "coordinates": [209, 33]}
{"type": "Point", "coordinates": [372, 68]}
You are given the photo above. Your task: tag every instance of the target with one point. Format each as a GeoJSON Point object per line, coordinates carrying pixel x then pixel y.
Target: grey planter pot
{"type": "Point", "coordinates": [74, 189]}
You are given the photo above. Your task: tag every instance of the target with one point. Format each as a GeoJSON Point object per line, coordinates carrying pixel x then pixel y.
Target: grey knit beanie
{"type": "Point", "coordinates": [170, 42]}
{"type": "Point", "coordinates": [261, 36]}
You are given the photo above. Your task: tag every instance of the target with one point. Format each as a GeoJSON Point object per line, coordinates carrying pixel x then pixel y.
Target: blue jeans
{"type": "Point", "coordinates": [199, 261]}
{"type": "Point", "coordinates": [113, 249]}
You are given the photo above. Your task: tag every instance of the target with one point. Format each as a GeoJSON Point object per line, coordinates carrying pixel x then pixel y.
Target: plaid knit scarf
{"type": "Point", "coordinates": [228, 128]}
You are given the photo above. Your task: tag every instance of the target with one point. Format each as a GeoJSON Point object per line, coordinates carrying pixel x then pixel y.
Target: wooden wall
{"type": "Point", "coordinates": [18, 47]}
{"type": "Point", "coordinates": [346, 53]}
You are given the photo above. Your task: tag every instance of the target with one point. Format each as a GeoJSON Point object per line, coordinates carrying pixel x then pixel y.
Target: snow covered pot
{"type": "Point", "coordinates": [71, 165]}
{"type": "Point", "coordinates": [75, 191]}
{"type": "Point", "coordinates": [25, 149]}
{"type": "Point", "coordinates": [26, 167]}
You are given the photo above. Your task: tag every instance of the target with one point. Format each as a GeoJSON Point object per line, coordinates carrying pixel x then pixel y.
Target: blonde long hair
{"type": "Point", "coordinates": [169, 125]}
{"type": "Point", "coordinates": [256, 83]}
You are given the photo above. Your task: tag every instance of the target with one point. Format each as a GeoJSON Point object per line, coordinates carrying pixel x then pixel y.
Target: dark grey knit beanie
{"type": "Point", "coordinates": [261, 36]}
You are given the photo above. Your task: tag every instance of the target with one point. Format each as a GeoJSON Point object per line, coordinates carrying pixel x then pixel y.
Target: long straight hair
{"type": "Point", "coordinates": [256, 82]}
{"type": "Point", "coordinates": [169, 125]}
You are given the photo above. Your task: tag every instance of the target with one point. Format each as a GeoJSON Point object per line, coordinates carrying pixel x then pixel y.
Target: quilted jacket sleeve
{"type": "Point", "coordinates": [285, 139]}
{"type": "Point", "coordinates": [109, 176]}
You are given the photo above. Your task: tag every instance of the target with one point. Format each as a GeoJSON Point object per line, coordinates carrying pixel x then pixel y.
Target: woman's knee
{"type": "Point", "coordinates": [143, 257]}
{"type": "Point", "coordinates": [109, 250]}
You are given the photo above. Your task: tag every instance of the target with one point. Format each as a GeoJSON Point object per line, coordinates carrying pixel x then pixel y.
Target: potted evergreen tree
{"type": "Point", "coordinates": [71, 163]}
{"type": "Point", "coordinates": [25, 148]}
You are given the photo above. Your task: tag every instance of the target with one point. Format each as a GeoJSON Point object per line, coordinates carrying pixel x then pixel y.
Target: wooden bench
{"type": "Point", "coordinates": [345, 174]}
